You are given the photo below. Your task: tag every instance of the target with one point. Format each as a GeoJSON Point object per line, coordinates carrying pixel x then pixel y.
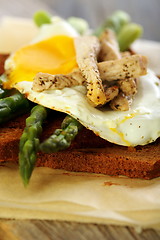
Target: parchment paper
{"type": "Point", "coordinates": [60, 195]}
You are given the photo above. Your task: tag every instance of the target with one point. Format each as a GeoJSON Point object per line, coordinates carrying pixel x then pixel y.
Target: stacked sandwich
{"type": "Point", "coordinates": [111, 99]}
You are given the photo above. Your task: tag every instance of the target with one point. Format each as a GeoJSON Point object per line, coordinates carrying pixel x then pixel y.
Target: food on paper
{"type": "Point", "coordinates": [99, 82]}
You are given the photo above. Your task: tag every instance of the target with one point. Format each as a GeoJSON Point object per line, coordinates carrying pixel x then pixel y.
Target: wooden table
{"type": "Point", "coordinates": [94, 11]}
{"type": "Point", "coordinates": [56, 230]}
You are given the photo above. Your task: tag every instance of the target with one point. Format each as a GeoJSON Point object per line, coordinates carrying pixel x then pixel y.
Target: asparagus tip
{"type": "Point", "coordinates": [25, 175]}
{"type": "Point", "coordinates": [25, 182]}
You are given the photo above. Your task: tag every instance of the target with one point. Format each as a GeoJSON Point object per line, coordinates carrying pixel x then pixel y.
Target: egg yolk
{"type": "Point", "coordinates": [55, 55]}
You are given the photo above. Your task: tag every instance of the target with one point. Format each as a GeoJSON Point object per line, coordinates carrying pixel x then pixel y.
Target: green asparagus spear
{"type": "Point", "coordinates": [41, 17]}
{"type": "Point", "coordinates": [13, 106]}
{"type": "Point", "coordinates": [79, 24]}
{"type": "Point", "coordinates": [29, 142]}
{"type": "Point", "coordinates": [61, 138]}
{"type": "Point", "coordinates": [128, 34]}
{"type": "Point", "coordinates": [115, 22]}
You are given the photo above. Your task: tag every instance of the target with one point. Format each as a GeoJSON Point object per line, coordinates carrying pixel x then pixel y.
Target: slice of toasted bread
{"type": "Point", "coordinates": [88, 152]}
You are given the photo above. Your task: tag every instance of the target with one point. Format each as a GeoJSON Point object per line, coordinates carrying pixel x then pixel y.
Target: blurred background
{"type": "Point", "coordinates": [144, 12]}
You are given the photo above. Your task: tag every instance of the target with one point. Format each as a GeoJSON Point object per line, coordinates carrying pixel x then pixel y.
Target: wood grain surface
{"type": "Point", "coordinates": [56, 230]}
{"type": "Point", "coordinates": [145, 12]}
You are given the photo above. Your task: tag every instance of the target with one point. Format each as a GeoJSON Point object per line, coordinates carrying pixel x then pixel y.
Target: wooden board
{"type": "Point", "coordinates": [56, 230]}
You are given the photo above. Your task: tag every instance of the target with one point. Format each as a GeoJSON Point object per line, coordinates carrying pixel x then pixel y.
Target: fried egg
{"type": "Point", "coordinates": [53, 52]}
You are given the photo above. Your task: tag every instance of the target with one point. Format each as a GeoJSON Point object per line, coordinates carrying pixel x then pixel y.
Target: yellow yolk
{"type": "Point", "coordinates": [55, 55]}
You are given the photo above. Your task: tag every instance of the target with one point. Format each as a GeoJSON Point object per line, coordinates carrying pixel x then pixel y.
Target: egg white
{"type": "Point", "coordinates": [138, 126]}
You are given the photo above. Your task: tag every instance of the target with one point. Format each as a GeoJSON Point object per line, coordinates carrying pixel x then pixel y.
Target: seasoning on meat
{"type": "Point", "coordinates": [111, 92]}
{"type": "Point", "coordinates": [128, 86]}
{"type": "Point", "coordinates": [121, 102]}
{"type": "Point", "coordinates": [128, 67]}
{"type": "Point", "coordinates": [45, 81]}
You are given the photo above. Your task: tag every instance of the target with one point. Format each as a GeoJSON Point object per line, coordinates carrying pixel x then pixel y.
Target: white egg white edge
{"type": "Point", "coordinates": [138, 126]}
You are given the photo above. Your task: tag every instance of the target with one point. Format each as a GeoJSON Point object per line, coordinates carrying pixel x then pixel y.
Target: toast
{"type": "Point", "coordinates": [88, 152]}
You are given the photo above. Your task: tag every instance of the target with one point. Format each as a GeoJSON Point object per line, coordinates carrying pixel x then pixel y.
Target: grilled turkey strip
{"type": "Point", "coordinates": [45, 81]}
{"type": "Point", "coordinates": [128, 67]}
{"type": "Point", "coordinates": [121, 102]}
{"type": "Point", "coordinates": [87, 49]}
{"type": "Point", "coordinates": [109, 46]}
